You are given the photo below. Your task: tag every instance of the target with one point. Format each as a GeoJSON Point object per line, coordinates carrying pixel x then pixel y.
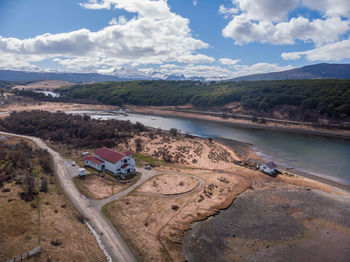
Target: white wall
{"type": "Point", "coordinates": [113, 167]}
{"type": "Point", "coordinates": [93, 165]}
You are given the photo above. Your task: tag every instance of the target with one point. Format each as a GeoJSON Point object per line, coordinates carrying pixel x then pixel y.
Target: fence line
{"type": "Point", "coordinates": [26, 255]}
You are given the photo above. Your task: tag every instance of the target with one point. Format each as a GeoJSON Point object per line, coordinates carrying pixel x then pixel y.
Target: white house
{"type": "Point", "coordinates": [112, 161]}
{"type": "Point", "coordinates": [269, 168]}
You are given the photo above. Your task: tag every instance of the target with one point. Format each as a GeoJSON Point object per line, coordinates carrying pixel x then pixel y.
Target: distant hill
{"type": "Point", "coordinates": [318, 71]}
{"type": "Point", "coordinates": [119, 74]}
{"type": "Point", "coordinates": [8, 75]}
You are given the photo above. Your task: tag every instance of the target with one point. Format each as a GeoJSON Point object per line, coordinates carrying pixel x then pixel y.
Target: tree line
{"type": "Point", "coordinates": [327, 97]}
{"type": "Point", "coordinates": [78, 131]}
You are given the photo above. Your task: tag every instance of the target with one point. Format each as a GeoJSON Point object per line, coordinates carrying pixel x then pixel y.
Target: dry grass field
{"type": "Point", "coordinates": [153, 224]}
{"type": "Point", "coordinates": [63, 236]}
{"type": "Point", "coordinates": [97, 187]}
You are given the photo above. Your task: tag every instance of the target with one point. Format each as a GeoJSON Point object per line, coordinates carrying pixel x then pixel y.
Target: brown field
{"type": "Point", "coordinates": [29, 105]}
{"type": "Point", "coordinates": [153, 226]}
{"type": "Point", "coordinates": [191, 152]}
{"type": "Point", "coordinates": [44, 85]}
{"type": "Point", "coordinates": [153, 222]}
{"type": "Point", "coordinates": [172, 184]}
{"type": "Point", "coordinates": [63, 236]}
{"type": "Point", "coordinates": [97, 187]}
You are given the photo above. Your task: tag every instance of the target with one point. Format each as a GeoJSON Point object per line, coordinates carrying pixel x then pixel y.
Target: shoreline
{"type": "Point", "coordinates": [342, 134]}
{"type": "Point", "coordinates": [246, 151]}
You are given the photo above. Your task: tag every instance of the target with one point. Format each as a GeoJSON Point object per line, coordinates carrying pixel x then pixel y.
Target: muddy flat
{"type": "Point", "coordinates": [278, 222]}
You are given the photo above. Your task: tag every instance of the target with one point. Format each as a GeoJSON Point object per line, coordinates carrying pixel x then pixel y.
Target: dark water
{"type": "Point", "coordinates": [321, 156]}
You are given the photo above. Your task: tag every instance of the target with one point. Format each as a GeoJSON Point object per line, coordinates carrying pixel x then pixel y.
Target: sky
{"type": "Point", "coordinates": [215, 39]}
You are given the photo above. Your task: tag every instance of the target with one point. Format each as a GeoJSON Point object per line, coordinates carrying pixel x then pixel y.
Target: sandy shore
{"type": "Point", "coordinates": [6, 109]}
{"type": "Point", "coordinates": [246, 152]}
{"type": "Point", "coordinates": [278, 126]}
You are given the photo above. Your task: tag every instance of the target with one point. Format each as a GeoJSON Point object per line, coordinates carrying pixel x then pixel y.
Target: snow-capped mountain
{"type": "Point", "coordinates": [129, 73]}
{"type": "Point", "coordinates": [147, 74]}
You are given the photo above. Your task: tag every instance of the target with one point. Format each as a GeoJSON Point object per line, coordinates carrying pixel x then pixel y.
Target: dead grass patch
{"type": "Point", "coordinates": [154, 226]}
{"type": "Point", "coordinates": [97, 187]}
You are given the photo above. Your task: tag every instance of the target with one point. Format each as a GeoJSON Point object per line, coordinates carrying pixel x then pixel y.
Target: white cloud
{"type": "Point", "coordinates": [155, 36]}
{"type": "Point", "coordinates": [266, 10]}
{"type": "Point", "coordinates": [145, 8]}
{"type": "Point", "coordinates": [268, 21]}
{"type": "Point", "coordinates": [227, 12]}
{"type": "Point", "coordinates": [229, 61]}
{"type": "Point", "coordinates": [243, 30]}
{"type": "Point", "coordinates": [215, 72]}
{"type": "Point", "coordinates": [330, 52]}
{"type": "Point", "coordinates": [330, 7]}
{"type": "Point", "coordinates": [121, 21]}
{"type": "Point", "coordinates": [259, 68]}
{"type": "Point", "coordinates": [194, 2]}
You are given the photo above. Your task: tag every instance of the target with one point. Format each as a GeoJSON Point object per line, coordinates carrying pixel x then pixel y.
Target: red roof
{"type": "Point", "coordinates": [93, 160]}
{"type": "Point", "coordinates": [124, 166]}
{"type": "Point", "coordinates": [127, 153]}
{"type": "Point", "coordinates": [109, 155]}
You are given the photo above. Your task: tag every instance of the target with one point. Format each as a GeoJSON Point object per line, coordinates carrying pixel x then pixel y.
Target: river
{"type": "Point", "coordinates": [321, 156]}
{"type": "Point", "coordinates": [49, 93]}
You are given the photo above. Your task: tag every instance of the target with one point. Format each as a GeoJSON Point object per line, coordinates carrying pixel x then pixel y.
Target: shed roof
{"type": "Point", "coordinates": [271, 165]}
{"type": "Point", "coordinates": [109, 155]}
{"type": "Point", "coordinates": [93, 160]}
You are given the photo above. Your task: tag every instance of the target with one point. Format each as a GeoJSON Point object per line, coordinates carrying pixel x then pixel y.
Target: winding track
{"type": "Point", "coordinates": [113, 242]}
{"type": "Point", "coordinates": [146, 175]}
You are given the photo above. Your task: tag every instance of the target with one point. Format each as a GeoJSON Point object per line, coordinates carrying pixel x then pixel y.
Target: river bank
{"type": "Point", "coordinates": [284, 126]}
{"type": "Point", "coordinates": [247, 153]}
{"type": "Point", "coordinates": [310, 156]}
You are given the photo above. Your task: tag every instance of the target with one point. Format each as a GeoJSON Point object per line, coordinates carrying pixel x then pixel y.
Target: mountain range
{"type": "Point", "coordinates": [318, 71]}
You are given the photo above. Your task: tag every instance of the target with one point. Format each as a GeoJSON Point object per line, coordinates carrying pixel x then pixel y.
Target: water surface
{"type": "Point", "coordinates": [317, 155]}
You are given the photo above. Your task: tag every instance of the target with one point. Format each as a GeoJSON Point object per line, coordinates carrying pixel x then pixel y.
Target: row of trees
{"type": "Point", "coordinates": [73, 130]}
{"type": "Point", "coordinates": [329, 98]}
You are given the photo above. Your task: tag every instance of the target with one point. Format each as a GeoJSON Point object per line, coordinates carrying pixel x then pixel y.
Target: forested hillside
{"type": "Point", "coordinates": [73, 130]}
{"type": "Point", "coordinates": [330, 98]}
{"type": "Point", "coordinates": [8, 84]}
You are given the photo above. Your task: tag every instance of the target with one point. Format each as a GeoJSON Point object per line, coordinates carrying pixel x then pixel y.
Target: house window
{"type": "Point", "coordinates": [118, 169]}
{"type": "Point", "coordinates": [125, 160]}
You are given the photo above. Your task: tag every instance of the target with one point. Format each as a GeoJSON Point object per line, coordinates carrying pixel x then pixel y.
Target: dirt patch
{"type": "Point", "coordinates": [97, 187]}
{"type": "Point", "coordinates": [169, 185]}
{"type": "Point", "coordinates": [154, 226]}
{"type": "Point", "coordinates": [44, 85]}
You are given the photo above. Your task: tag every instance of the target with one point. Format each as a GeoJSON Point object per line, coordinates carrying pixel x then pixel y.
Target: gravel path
{"type": "Point", "coordinates": [111, 239]}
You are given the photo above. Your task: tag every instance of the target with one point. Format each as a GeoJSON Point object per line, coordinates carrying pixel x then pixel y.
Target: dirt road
{"type": "Point", "coordinates": [113, 242]}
